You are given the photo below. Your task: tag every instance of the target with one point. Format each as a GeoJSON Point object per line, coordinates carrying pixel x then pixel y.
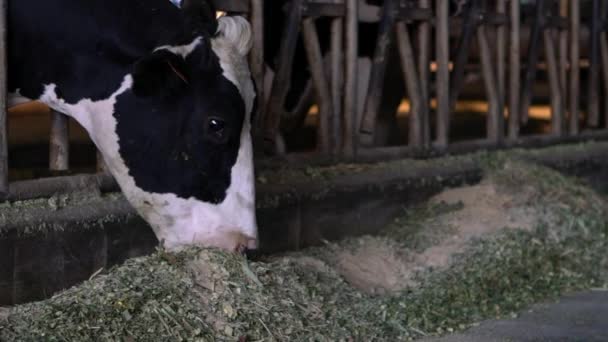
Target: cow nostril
{"type": "Point", "coordinates": [252, 254]}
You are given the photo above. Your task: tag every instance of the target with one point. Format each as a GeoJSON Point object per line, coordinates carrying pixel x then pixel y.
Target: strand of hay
{"type": "Point", "coordinates": [524, 234]}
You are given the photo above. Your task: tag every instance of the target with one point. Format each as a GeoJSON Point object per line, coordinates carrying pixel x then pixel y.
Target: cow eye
{"type": "Point", "coordinates": [216, 126]}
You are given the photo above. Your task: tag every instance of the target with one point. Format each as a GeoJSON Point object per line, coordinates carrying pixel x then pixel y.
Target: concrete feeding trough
{"type": "Point", "coordinates": [50, 244]}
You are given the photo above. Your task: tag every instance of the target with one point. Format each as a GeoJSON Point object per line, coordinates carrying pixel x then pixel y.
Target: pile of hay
{"type": "Point", "coordinates": [524, 234]}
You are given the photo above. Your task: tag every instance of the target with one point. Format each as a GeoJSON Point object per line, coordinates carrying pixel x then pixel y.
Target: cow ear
{"type": "Point", "coordinates": [200, 14]}
{"type": "Point", "coordinates": [160, 74]}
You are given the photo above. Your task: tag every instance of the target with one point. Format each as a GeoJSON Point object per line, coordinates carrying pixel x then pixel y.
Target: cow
{"type": "Point", "coordinates": [166, 95]}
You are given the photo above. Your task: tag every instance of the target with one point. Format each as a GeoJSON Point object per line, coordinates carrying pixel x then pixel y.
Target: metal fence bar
{"type": "Point", "coordinates": [337, 84]}
{"type": "Point", "coordinates": [412, 82]}
{"type": "Point", "coordinates": [46, 187]}
{"type": "Point", "coordinates": [323, 94]}
{"type": "Point", "coordinates": [59, 147]}
{"type": "Point", "coordinates": [532, 60]}
{"type": "Point", "coordinates": [604, 58]}
{"type": "Point", "coordinates": [574, 65]}
{"type": "Point", "coordinates": [3, 102]}
{"type": "Point", "coordinates": [554, 84]}
{"type": "Point", "coordinates": [514, 70]}
{"type": "Point", "coordinates": [443, 71]}
{"type": "Point", "coordinates": [593, 100]}
{"type": "Point", "coordinates": [256, 57]}
{"type": "Point", "coordinates": [469, 146]}
{"type": "Point", "coordinates": [563, 62]}
{"type": "Point", "coordinates": [494, 116]}
{"type": "Point", "coordinates": [424, 57]}
{"type": "Point", "coordinates": [501, 47]}
{"type": "Point", "coordinates": [470, 24]}
{"type": "Point", "coordinates": [376, 80]}
{"type": "Point", "coordinates": [281, 82]}
{"type": "Point", "coordinates": [351, 80]}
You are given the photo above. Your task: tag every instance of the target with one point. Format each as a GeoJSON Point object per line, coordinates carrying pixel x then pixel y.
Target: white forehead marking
{"type": "Point", "coordinates": [181, 50]}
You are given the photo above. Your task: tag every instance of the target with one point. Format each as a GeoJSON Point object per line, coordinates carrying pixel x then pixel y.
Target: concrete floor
{"type": "Point", "coordinates": [577, 317]}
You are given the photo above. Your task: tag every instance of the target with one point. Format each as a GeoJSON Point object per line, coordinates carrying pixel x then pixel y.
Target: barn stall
{"type": "Point", "coordinates": [366, 144]}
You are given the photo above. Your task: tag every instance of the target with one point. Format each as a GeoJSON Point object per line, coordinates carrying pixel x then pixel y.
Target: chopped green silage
{"type": "Point", "coordinates": [209, 295]}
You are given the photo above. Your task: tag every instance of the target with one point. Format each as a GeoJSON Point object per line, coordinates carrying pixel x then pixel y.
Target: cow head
{"type": "Point", "coordinates": [183, 127]}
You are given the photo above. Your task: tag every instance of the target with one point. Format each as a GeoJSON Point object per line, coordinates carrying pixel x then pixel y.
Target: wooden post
{"type": "Point", "coordinates": [376, 80]}
{"type": "Point", "coordinates": [494, 117]}
{"type": "Point", "coordinates": [256, 57]}
{"type": "Point", "coordinates": [3, 103]}
{"type": "Point", "coordinates": [574, 65]}
{"type": "Point", "coordinates": [350, 81]}
{"type": "Point", "coordinates": [412, 82]}
{"type": "Point", "coordinates": [424, 58]}
{"type": "Point", "coordinates": [514, 66]}
{"type": "Point", "coordinates": [337, 35]}
{"type": "Point", "coordinates": [317, 67]}
{"type": "Point", "coordinates": [554, 84]}
{"type": "Point", "coordinates": [593, 96]}
{"type": "Point", "coordinates": [281, 82]}
{"type": "Point", "coordinates": [443, 72]}
{"type": "Point", "coordinates": [59, 147]}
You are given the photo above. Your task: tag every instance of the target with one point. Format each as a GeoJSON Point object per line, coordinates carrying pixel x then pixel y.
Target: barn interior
{"type": "Point", "coordinates": [370, 110]}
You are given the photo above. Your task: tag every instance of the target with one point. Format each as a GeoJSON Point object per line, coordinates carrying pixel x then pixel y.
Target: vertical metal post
{"type": "Point", "coordinates": [554, 84]}
{"type": "Point", "coordinates": [593, 96]}
{"type": "Point", "coordinates": [315, 60]}
{"type": "Point", "coordinates": [574, 65]}
{"type": "Point", "coordinates": [376, 79]}
{"type": "Point", "coordinates": [443, 72]}
{"type": "Point", "coordinates": [59, 147]}
{"type": "Point", "coordinates": [3, 99]}
{"type": "Point", "coordinates": [257, 56]}
{"type": "Point", "coordinates": [514, 66]}
{"type": "Point", "coordinates": [350, 82]}
{"type": "Point", "coordinates": [412, 82]}
{"type": "Point", "coordinates": [501, 46]}
{"type": "Point", "coordinates": [471, 21]}
{"type": "Point", "coordinates": [282, 79]}
{"type": "Point", "coordinates": [494, 117]}
{"type": "Point", "coordinates": [563, 58]}
{"type": "Point", "coordinates": [604, 58]}
{"type": "Point", "coordinates": [337, 36]}
{"type": "Point", "coordinates": [532, 60]}
{"type": "Point", "coordinates": [424, 57]}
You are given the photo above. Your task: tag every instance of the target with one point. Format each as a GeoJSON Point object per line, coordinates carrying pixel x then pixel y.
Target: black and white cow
{"type": "Point", "coordinates": [165, 94]}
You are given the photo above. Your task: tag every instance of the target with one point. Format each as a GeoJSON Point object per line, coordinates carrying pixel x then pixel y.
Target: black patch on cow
{"type": "Point", "coordinates": [162, 73]}
{"type": "Point", "coordinates": [84, 47]}
{"type": "Point", "coordinates": [171, 144]}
